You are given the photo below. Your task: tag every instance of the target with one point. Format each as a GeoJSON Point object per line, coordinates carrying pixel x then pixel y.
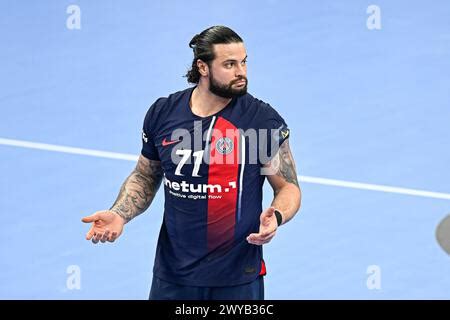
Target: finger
{"type": "Point", "coordinates": [104, 236]}
{"type": "Point", "coordinates": [90, 218]}
{"type": "Point", "coordinates": [98, 236]}
{"type": "Point", "coordinates": [254, 237]}
{"type": "Point", "coordinates": [94, 239]}
{"type": "Point", "coordinates": [113, 236]}
{"type": "Point", "coordinates": [257, 237]}
{"type": "Point", "coordinates": [268, 236]}
{"type": "Point", "coordinates": [259, 242]}
{"type": "Point", "coordinates": [266, 232]}
{"type": "Point", "coordinates": [90, 234]}
{"type": "Point", "coordinates": [265, 236]}
{"type": "Point", "coordinates": [251, 240]}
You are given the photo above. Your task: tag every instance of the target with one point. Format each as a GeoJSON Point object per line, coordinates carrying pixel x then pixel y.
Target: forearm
{"type": "Point", "coordinates": [137, 192]}
{"type": "Point", "coordinates": [287, 192]}
{"type": "Point", "coordinates": [287, 200]}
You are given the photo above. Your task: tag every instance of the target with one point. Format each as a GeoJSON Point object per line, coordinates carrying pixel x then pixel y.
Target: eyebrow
{"type": "Point", "coordinates": [234, 60]}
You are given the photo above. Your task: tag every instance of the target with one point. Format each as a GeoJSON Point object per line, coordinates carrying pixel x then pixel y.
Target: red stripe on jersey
{"type": "Point", "coordinates": [223, 171]}
{"type": "Point", "coordinates": [263, 268]}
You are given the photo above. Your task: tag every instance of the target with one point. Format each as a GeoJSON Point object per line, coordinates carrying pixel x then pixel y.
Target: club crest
{"type": "Point", "coordinates": [224, 145]}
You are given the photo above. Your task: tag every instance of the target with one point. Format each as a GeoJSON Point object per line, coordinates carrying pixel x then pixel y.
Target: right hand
{"type": "Point", "coordinates": [106, 226]}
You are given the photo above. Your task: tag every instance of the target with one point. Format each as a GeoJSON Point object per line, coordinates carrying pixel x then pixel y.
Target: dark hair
{"type": "Point", "coordinates": [202, 45]}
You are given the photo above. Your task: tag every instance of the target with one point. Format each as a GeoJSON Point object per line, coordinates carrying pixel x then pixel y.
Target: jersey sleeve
{"type": "Point", "coordinates": [275, 132]}
{"type": "Point", "coordinates": [149, 149]}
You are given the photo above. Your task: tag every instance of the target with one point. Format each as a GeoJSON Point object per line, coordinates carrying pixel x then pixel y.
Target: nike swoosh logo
{"type": "Point", "coordinates": [166, 143]}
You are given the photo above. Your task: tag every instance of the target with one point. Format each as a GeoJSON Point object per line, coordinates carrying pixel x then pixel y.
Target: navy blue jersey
{"type": "Point", "coordinates": [213, 187]}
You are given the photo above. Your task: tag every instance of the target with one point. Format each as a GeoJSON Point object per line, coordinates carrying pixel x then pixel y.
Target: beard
{"type": "Point", "coordinates": [226, 90]}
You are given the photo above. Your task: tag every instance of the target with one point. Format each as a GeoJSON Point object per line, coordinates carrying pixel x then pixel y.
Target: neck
{"type": "Point", "coordinates": [204, 103]}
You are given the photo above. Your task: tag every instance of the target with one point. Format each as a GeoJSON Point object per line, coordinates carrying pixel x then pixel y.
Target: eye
{"type": "Point", "coordinates": [244, 62]}
{"type": "Point", "coordinates": [228, 65]}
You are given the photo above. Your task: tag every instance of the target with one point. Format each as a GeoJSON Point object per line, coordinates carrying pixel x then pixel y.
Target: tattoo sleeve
{"type": "Point", "coordinates": [283, 179]}
{"type": "Point", "coordinates": [286, 168]}
{"type": "Point", "coordinates": [139, 189]}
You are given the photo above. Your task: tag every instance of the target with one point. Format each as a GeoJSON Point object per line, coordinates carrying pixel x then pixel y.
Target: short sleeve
{"type": "Point", "coordinates": [149, 149]}
{"type": "Point", "coordinates": [275, 132]}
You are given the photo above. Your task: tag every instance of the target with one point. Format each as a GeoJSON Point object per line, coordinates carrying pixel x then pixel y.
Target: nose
{"type": "Point", "coordinates": [240, 70]}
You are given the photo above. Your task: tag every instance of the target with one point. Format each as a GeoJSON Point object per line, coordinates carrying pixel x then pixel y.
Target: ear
{"type": "Point", "coordinates": [202, 68]}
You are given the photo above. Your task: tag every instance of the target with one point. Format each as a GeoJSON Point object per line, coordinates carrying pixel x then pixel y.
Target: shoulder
{"type": "Point", "coordinates": [262, 110]}
{"type": "Point", "coordinates": [159, 110]}
{"type": "Point", "coordinates": [171, 100]}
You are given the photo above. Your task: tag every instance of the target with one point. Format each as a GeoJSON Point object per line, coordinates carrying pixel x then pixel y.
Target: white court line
{"type": "Point", "coordinates": [375, 187]}
{"type": "Point", "coordinates": [315, 180]}
{"type": "Point", "coordinates": [52, 147]}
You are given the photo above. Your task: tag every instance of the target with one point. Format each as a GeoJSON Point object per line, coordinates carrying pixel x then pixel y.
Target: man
{"type": "Point", "coordinates": [212, 146]}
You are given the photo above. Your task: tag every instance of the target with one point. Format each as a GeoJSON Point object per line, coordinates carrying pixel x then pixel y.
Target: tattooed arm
{"type": "Point", "coordinates": [139, 189]}
{"type": "Point", "coordinates": [287, 193]}
{"type": "Point", "coordinates": [135, 197]}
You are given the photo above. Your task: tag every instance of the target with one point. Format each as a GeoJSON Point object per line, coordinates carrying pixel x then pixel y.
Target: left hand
{"type": "Point", "coordinates": [267, 228]}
